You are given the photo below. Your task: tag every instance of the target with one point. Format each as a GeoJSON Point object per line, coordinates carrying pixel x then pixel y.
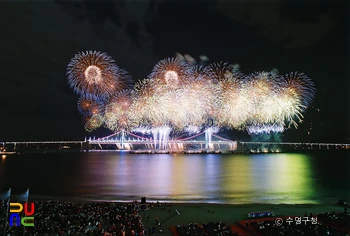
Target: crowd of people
{"type": "Point", "coordinates": [3, 210]}
{"type": "Point", "coordinates": [69, 218]}
{"type": "Point", "coordinates": [306, 225]}
{"type": "Point", "coordinates": [205, 229]}
{"type": "Point", "coordinates": [107, 219]}
{"type": "Point", "coordinates": [269, 228]}
{"type": "Point", "coordinates": [340, 220]}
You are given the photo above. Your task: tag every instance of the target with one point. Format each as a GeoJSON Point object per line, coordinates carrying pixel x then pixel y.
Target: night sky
{"type": "Point", "coordinates": [39, 38]}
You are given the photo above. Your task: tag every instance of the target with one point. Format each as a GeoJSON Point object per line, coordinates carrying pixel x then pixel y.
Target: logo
{"type": "Point", "coordinates": [27, 220]}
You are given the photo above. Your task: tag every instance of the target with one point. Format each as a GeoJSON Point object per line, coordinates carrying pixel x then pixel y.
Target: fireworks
{"type": "Point", "coordinates": [177, 97]}
{"type": "Point", "coordinates": [94, 123]}
{"type": "Point", "coordinates": [94, 73]}
{"type": "Point", "coordinates": [88, 106]}
{"type": "Point", "coordinates": [220, 71]}
{"type": "Point", "coordinates": [171, 72]}
{"type": "Point", "coordinates": [235, 105]}
{"type": "Point", "coordinates": [118, 115]}
{"type": "Point", "coordinates": [267, 129]}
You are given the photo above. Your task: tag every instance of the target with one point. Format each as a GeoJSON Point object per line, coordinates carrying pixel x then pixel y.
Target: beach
{"type": "Point", "coordinates": [229, 214]}
{"type": "Point", "coordinates": [158, 218]}
{"type": "Point", "coordinates": [171, 214]}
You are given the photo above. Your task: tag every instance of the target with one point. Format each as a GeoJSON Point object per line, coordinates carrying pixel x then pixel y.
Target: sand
{"type": "Point", "coordinates": [200, 212]}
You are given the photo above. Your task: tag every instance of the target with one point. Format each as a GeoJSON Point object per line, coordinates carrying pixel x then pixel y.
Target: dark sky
{"type": "Point", "coordinates": [39, 38]}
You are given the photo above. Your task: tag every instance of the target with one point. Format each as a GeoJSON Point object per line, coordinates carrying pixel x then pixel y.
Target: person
{"type": "Point", "coordinates": [157, 220]}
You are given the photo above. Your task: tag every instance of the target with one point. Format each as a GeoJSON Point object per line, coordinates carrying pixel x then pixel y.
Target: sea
{"type": "Point", "coordinates": [273, 178]}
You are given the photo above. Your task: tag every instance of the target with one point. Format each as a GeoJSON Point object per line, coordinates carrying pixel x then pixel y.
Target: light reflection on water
{"type": "Point", "coordinates": [258, 178]}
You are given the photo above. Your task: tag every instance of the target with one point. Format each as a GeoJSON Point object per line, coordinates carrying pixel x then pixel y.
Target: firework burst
{"type": "Point", "coordinates": [93, 73]}
{"type": "Point", "coordinates": [235, 104]}
{"type": "Point", "coordinates": [179, 98]}
{"type": "Point", "coordinates": [299, 84]}
{"type": "Point", "coordinates": [94, 122]}
{"type": "Point", "coordinates": [88, 106]}
{"type": "Point", "coordinates": [118, 115]}
{"type": "Point", "coordinates": [171, 72]}
{"type": "Point", "coordinates": [220, 71]}
{"type": "Point", "coordinates": [297, 93]}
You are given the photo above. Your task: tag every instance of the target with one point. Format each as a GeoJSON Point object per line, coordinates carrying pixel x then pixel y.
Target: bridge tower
{"type": "Point", "coordinates": [208, 136]}
{"type": "Point", "coordinates": [123, 139]}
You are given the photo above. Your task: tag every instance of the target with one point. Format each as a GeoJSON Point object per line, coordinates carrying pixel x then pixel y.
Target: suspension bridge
{"type": "Point", "coordinates": [128, 140]}
{"type": "Point", "coordinates": [124, 140]}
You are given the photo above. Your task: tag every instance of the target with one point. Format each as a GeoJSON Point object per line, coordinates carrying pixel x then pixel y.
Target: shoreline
{"type": "Point", "coordinates": [242, 209]}
{"type": "Point", "coordinates": [125, 199]}
{"type": "Point", "coordinates": [255, 206]}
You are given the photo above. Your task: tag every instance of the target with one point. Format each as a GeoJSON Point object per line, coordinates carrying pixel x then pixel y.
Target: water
{"type": "Point", "coordinates": [292, 178]}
